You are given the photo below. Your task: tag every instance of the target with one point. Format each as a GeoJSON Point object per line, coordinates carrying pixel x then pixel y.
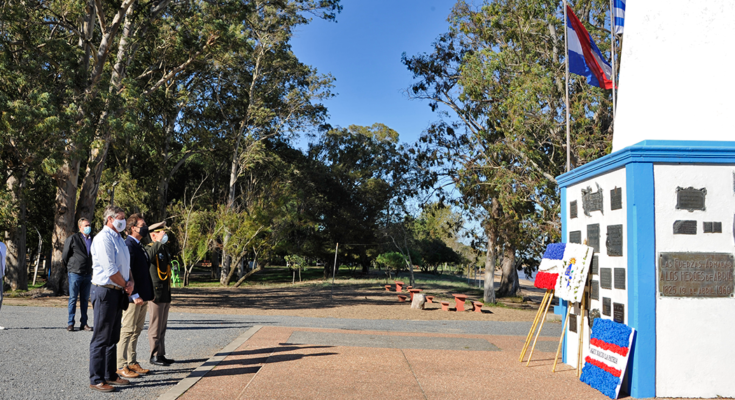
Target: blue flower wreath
{"type": "Point", "coordinates": [600, 379]}
{"type": "Point", "coordinates": [555, 251]}
{"type": "Point", "coordinates": [611, 332]}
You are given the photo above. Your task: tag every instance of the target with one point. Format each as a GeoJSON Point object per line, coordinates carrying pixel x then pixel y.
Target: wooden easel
{"type": "Point", "coordinates": [540, 316]}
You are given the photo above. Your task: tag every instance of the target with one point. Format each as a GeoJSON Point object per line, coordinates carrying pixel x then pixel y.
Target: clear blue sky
{"type": "Point", "coordinates": [362, 50]}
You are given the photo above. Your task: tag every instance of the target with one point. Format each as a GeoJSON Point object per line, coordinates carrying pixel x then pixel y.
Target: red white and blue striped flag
{"type": "Point", "coordinates": [585, 59]}
{"type": "Point", "coordinates": [605, 365]}
{"type": "Point", "coordinates": [551, 264]}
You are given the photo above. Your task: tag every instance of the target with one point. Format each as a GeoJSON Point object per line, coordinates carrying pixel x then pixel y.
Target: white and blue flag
{"type": "Point", "coordinates": [619, 9]}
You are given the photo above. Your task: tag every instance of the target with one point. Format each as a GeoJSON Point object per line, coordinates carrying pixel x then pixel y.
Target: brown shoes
{"type": "Point", "coordinates": [138, 369]}
{"type": "Point", "coordinates": [102, 387]}
{"type": "Point", "coordinates": [125, 372]}
{"type": "Point", "coordinates": [70, 328]}
{"type": "Point", "coordinates": [119, 381]}
{"type": "Point", "coordinates": [86, 328]}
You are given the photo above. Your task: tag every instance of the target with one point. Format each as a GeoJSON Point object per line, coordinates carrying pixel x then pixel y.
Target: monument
{"type": "Point", "coordinates": [660, 210]}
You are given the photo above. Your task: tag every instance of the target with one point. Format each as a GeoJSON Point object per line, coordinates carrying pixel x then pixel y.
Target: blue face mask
{"type": "Point", "coordinates": [87, 230]}
{"type": "Point", "coordinates": [164, 239]}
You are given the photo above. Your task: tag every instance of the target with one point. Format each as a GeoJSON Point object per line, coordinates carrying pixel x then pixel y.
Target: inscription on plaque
{"type": "Point", "coordinates": [573, 323]}
{"type": "Point", "coordinates": [619, 313]}
{"type": "Point", "coordinates": [593, 236]}
{"type": "Point", "coordinates": [606, 306]}
{"type": "Point", "coordinates": [594, 314]}
{"type": "Point", "coordinates": [614, 241]}
{"type": "Point", "coordinates": [595, 290]}
{"type": "Point", "coordinates": [690, 199]}
{"type": "Point", "coordinates": [619, 278]}
{"type": "Point", "coordinates": [606, 278]}
{"type": "Point", "coordinates": [616, 199]}
{"type": "Point", "coordinates": [712, 227]}
{"type": "Point", "coordinates": [595, 266]}
{"type": "Point", "coordinates": [573, 209]}
{"type": "Point", "coordinates": [685, 227]}
{"type": "Point", "coordinates": [575, 237]}
{"type": "Point", "coordinates": [592, 201]}
{"type": "Point", "coordinates": [695, 274]}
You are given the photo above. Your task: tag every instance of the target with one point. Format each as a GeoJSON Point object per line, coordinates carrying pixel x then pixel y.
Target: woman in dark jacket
{"type": "Point", "coordinates": [160, 269]}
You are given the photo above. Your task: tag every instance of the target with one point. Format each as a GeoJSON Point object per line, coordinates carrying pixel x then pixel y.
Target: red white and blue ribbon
{"type": "Point", "coordinates": [605, 365]}
{"type": "Point", "coordinates": [551, 265]}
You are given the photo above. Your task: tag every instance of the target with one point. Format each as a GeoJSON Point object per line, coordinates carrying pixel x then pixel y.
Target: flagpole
{"type": "Point", "coordinates": [566, 85]}
{"type": "Point", "coordinates": [612, 52]}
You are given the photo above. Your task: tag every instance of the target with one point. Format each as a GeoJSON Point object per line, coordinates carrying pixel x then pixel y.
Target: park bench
{"type": "Point", "coordinates": [477, 306]}
{"type": "Point", "coordinates": [402, 298]}
{"type": "Point", "coordinates": [445, 306]}
{"type": "Point", "coordinates": [399, 286]}
{"type": "Point", "coordinates": [387, 288]}
{"type": "Point", "coordinates": [459, 300]}
{"type": "Point", "coordinates": [429, 299]}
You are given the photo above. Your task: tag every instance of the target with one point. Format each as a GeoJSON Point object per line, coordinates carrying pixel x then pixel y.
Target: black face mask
{"type": "Point", "coordinates": [143, 230]}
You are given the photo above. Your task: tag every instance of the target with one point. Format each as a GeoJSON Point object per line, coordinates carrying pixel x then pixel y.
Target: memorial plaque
{"type": "Point", "coordinates": [573, 209]}
{"type": "Point", "coordinates": [614, 241]}
{"type": "Point", "coordinates": [606, 306]}
{"type": "Point", "coordinates": [595, 290]}
{"type": "Point", "coordinates": [695, 275]}
{"type": "Point", "coordinates": [690, 199]}
{"type": "Point", "coordinates": [595, 266]}
{"type": "Point", "coordinates": [606, 278]}
{"type": "Point", "coordinates": [573, 323]}
{"type": "Point", "coordinates": [619, 278]}
{"type": "Point", "coordinates": [593, 236]}
{"type": "Point", "coordinates": [592, 201]}
{"type": "Point", "coordinates": [594, 314]}
{"type": "Point", "coordinates": [685, 227]}
{"type": "Point", "coordinates": [712, 227]}
{"type": "Point", "coordinates": [616, 199]}
{"type": "Point", "coordinates": [619, 313]}
{"type": "Point", "coordinates": [575, 237]}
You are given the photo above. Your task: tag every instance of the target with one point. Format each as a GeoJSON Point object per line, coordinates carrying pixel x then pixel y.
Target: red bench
{"type": "Point", "coordinates": [387, 288]}
{"type": "Point", "coordinates": [476, 306]}
{"type": "Point", "coordinates": [445, 306]}
{"type": "Point", "coordinates": [402, 298]}
{"type": "Point", "coordinates": [429, 299]}
{"type": "Point", "coordinates": [399, 286]}
{"type": "Point", "coordinates": [413, 291]}
{"type": "Point", "coordinates": [459, 300]}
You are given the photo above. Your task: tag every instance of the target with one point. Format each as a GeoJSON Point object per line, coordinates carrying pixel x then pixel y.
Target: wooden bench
{"type": "Point", "coordinates": [429, 299]}
{"type": "Point", "coordinates": [477, 306]}
{"type": "Point", "coordinates": [445, 306]}
{"type": "Point", "coordinates": [402, 298]}
{"type": "Point", "coordinates": [459, 300]}
{"type": "Point", "coordinates": [399, 286]}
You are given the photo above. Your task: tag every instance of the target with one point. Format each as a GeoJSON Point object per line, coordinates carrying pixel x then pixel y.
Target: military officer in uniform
{"type": "Point", "coordinates": [160, 269]}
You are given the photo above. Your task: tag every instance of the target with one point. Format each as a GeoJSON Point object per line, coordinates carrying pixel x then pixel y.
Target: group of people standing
{"type": "Point", "coordinates": [126, 281]}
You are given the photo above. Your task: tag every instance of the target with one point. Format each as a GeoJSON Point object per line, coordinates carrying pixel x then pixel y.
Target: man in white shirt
{"type": "Point", "coordinates": [3, 253]}
{"type": "Point", "coordinates": [111, 285]}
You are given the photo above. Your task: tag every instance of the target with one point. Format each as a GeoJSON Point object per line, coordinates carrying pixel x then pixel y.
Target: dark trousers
{"type": "Point", "coordinates": [107, 321]}
{"type": "Point", "coordinates": [79, 287]}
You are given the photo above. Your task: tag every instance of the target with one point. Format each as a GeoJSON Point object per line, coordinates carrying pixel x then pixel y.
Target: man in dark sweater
{"type": "Point", "coordinates": [78, 261]}
{"type": "Point", "coordinates": [133, 319]}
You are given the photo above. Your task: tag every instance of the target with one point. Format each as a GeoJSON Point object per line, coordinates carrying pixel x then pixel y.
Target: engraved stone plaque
{"type": "Point", "coordinates": [575, 237]}
{"type": "Point", "coordinates": [712, 227]}
{"type": "Point", "coordinates": [690, 199]}
{"type": "Point", "coordinates": [606, 278]}
{"type": "Point", "coordinates": [573, 209]}
{"type": "Point", "coordinates": [595, 290]}
{"type": "Point", "coordinates": [595, 266]}
{"type": "Point", "coordinates": [614, 241]}
{"type": "Point", "coordinates": [573, 323]}
{"type": "Point", "coordinates": [619, 313]}
{"type": "Point", "coordinates": [606, 306]}
{"type": "Point", "coordinates": [619, 278]}
{"type": "Point", "coordinates": [695, 275]}
{"type": "Point", "coordinates": [616, 199]}
{"type": "Point", "coordinates": [685, 227]}
{"type": "Point", "coordinates": [593, 236]}
{"type": "Point", "coordinates": [594, 314]}
{"type": "Point", "coordinates": [592, 201]}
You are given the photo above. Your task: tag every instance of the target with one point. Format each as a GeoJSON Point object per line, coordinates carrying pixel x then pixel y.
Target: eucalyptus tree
{"type": "Point", "coordinates": [497, 79]}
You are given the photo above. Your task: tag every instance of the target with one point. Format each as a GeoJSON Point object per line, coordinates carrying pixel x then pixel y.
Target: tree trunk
{"type": "Point", "coordinates": [364, 261]}
{"type": "Point", "coordinates": [66, 193]}
{"type": "Point", "coordinates": [16, 238]}
{"type": "Point", "coordinates": [509, 280]}
{"type": "Point", "coordinates": [258, 268]}
{"type": "Point", "coordinates": [489, 294]}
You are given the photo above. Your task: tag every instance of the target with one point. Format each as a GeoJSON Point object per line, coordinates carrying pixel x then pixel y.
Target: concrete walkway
{"type": "Point", "coordinates": [308, 363]}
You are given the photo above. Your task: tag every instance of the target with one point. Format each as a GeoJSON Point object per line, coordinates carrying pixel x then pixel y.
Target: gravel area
{"type": "Point", "coordinates": [40, 359]}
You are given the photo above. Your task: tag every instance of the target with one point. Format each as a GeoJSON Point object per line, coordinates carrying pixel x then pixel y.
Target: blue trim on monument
{"type": "Point", "coordinates": [641, 234]}
{"type": "Point", "coordinates": [654, 151]}
{"type": "Point", "coordinates": [562, 307]}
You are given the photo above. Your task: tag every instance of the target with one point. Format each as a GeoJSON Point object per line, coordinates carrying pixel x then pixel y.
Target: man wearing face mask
{"type": "Point", "coordinates": [111, 286]}
{"type": "Point", "coordinates": [77, 257]}
{"type": "Point", "coordinates": [133, 319]}
{"type": "Point", "coordinates": [160, 272]}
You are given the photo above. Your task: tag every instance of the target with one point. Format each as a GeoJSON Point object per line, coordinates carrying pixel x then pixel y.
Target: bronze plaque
{"type": "Point", "coordinates": [614, 241]}
{"type": "Point", "coordinates": [591, 201]}
{"type": "Point", "coordinates": [595, 290]}
{"type": "Point", "coordinates": [606, 306]}
{"type": "Point", "coordinates": [575, 237]}
{"type": "Point", "coordinates": [573, 209]}
{"type": "Point", "coordinates": [595, 266]}
{"type": "Point", "coordinates": [573, 323]}
{"type": "Point", "coordinates": [690, 198]}
{"type": "Point", "coordinates": [619, 313]}
{"type": "Point", "coordinates": [695, 275]}
{"type": "Point", "coordinates": [619, 274]}
{"type": "Point", "coordinates": [685, 227]}
{"type": "Point", "coordinates": [606, 278]}
{"type": "Point", "coordinates": [593, 236]}
{"type": "Point", "coordinates": [616, 199]}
